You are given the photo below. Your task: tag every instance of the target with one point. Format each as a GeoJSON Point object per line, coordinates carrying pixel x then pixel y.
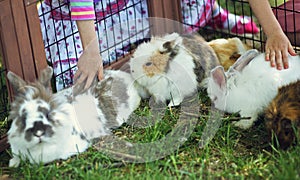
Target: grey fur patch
{"type": "Point", "coordinates": [50, 118]}
{"type": "Point", "coordinates": [120, 91]}
{"type": "Point", "coordinates": [76, 133]}
{"type": "Point", "coordinates": [172, 54]}
{"type": "Point", "coordinates": [21, 121]}
{"type": "Point", "coordinates": [43, 110]}
{"type": "Point", "coordinates": [106, 102]}
{"type": "Point", "coordinates": [171, 49]}
{"type": "Point", "coordinates": [205, 58]}
{"type": "Point", "coordinates": [82, 136]}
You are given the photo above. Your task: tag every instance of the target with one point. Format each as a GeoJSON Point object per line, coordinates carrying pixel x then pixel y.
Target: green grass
{"type": "Point", "coordinates": [231, 154]}
{"type": "Point", "coordinates": [4, 106]}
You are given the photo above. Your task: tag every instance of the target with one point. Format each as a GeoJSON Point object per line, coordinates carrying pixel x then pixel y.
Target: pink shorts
{"type": "Point", "coordinates": [288, 16]}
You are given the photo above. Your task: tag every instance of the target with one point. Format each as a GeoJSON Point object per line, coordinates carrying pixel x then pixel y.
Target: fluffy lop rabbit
{"type": "Point", "coordinates": [249, 85]}
{"type": "Point", "coordinates": [172, 67]}
{"type": "Point", "coordinates": [282, 116]}
{"type": "Point", "coordinates": [46, 127]}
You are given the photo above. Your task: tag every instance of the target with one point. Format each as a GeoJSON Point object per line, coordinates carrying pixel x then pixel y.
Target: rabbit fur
{"type": "Point", "coordinates": [249, 85]}
{"type": "Point", "coordinates": [171, 67]}
{"type": "Point", "coordinates": [47, 127]}
{"type": "Point", "coordinates": [228, 50]}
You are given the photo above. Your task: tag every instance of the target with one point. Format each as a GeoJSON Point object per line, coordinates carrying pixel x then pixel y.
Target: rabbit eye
{"type": "Point", "coordinates": [148, 64]}
{"type": "Point", "coordinates": [214, 98]}
{"type": "Point", "coordinates": [44, 111]}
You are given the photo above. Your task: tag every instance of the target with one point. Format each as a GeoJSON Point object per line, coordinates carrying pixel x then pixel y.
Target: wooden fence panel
{"type": "Point", "coordinates": [168, 16]}
{"type": "Point", "coordinates": [21, 40]}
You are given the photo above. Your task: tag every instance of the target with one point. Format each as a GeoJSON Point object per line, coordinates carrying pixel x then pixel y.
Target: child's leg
{"type": "Point", "coordinates": [222, 19]}
{"type": "Point", "coordinates": [196, 13]}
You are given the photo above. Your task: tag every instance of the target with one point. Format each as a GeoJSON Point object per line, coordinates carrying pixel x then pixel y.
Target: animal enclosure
{"type": "Point", "coordinates": [26, 42]}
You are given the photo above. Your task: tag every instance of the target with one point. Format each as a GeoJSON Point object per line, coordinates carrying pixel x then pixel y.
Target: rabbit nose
{"type": "Point", "coordinates": [38, 129]}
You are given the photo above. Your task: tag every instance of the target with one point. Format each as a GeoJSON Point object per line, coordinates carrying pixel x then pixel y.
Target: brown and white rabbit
{"type": "Point", "coordinates": [282, 116]}
{"type": "Point", "coordinates": [172, 67]}
{"type": "Point", "coordinates": [46, 127]}
{"type": "Point", "coordinates": [249, 85]}
{"type": "Point", "coordinates": [228, 50]}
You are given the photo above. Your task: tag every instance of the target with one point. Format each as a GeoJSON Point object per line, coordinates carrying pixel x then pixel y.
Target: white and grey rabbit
{"type": "Point", "coordinates": [249, 85]}
{"type": "Point", "coordinates": [46, 127]}
{"type": "Point", "coordinates": [172, 67]}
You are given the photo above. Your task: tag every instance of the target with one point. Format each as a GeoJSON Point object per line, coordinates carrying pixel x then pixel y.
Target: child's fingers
{"type": "Point", "coordinates": [267, 56]}
{"type": "Point", "coordinates": [100, 73]}
{"type": "Point", "coordinates": [285, 60]}
{"type": "Point", "coordinates": [272, 59]}
{"type": "Point", "coordinates": [278, 59]}
{"type": "Point", "coordinates": [88, 82]}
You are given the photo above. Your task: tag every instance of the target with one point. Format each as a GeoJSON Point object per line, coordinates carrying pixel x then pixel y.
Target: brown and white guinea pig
{"type": "Point", "coordinates": [47, 127]}
{"type": "Point", "coordinates": [282, 116]}
{"type": "Point", "coordinates": [172, 67]}
{"type": "Point", "coordinates": [228, 50]}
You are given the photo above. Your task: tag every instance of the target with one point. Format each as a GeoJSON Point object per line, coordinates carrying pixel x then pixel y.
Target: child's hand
{"type": "Point", "coordinates": [90, 62]}
{"type": "Point", "coordinates": [278, 47]}
{"type": "Point", "coordinates": [89, 65]}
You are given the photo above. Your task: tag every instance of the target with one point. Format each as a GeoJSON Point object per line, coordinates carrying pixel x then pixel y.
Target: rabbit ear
{"type": "Point", "coordinates": [45, 76]}
{"type": "Point", "coordinates": [171, 44]}
{"type": "Point", "coordinates": [16, 81]}
{"type": "Point", "coordinates": [245, 59]}
{"type": "Point", "coordinates": [219, 77]}
{"type": "Point", "coordinates": [168, 46]}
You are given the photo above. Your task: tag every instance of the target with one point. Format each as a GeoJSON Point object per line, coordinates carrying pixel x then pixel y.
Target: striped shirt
{"type": "Point", "coordinates": [82, 9]}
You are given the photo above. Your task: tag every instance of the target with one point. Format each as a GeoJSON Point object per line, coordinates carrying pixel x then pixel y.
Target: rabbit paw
{"type": "Point", "coordinates": [175, 102]}
{"type": "Point", "coordinates": [244, 124]}
{"type": "Point", "coordinates": [14, 162]}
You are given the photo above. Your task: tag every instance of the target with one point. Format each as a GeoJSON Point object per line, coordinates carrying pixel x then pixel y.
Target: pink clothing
{"type": "Point", "coordinates": [196, 14]}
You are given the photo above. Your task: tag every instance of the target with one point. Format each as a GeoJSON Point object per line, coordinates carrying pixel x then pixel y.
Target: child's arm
{"type": "Point", "coordinates": [278, 45]}
{"type": "Point", "coordinates": [90, 62]}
